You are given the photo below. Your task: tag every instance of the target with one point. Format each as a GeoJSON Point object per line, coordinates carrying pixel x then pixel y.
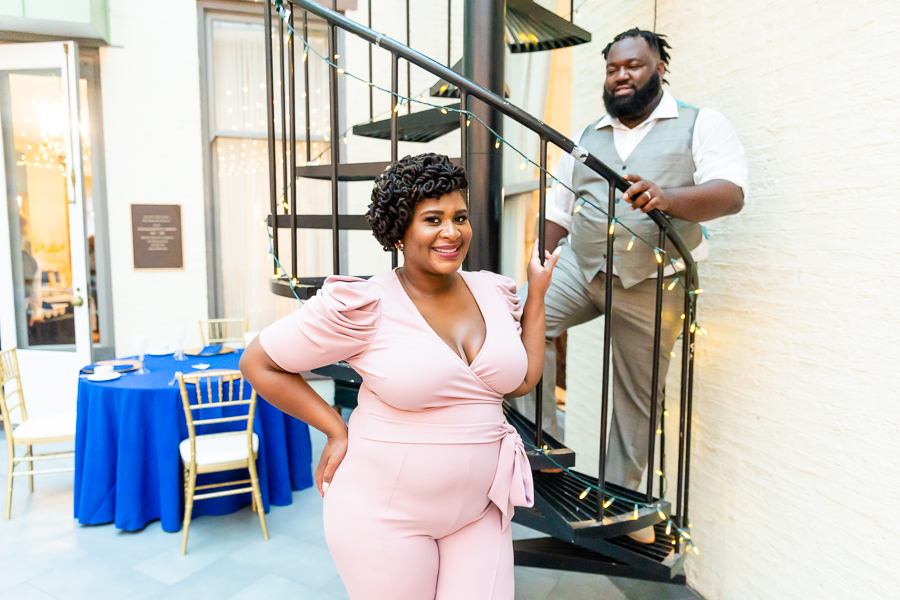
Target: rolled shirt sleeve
{"type": "Point", "coordinates": [718, 153]}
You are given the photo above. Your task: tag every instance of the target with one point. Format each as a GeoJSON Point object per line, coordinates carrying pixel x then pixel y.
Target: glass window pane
{"type": "Point", "coordinates": [42, 270]}
{"type": "Point", "coordinates": [239, 72]}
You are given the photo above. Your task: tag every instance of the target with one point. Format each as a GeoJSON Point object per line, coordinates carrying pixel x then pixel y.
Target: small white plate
{"type": "Point", "coordinates": [201, 366]}
{"type": "Point", "coordinates": [159, 352]}
{"type": "Point", "coordinates": [102, 377]}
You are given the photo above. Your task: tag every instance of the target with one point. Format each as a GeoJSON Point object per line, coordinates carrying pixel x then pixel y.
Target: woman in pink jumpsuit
{"type": "Point", "coordinates": [420, 491]}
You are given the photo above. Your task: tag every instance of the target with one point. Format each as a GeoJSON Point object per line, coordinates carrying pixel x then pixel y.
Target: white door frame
{"type": "Point", "coordinates": [49, 376]}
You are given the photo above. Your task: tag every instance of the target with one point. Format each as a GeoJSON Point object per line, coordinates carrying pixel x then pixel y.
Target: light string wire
{"type": "Point", "coordinates": [658, 252]}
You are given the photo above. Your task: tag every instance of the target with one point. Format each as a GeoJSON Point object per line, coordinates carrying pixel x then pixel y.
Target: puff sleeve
{"type": "Point", "coordinates": [506, 287]}
{"type": "Point", "coordinates": [338, 323]}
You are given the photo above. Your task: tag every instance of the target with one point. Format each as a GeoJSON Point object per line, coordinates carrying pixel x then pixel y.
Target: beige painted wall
{"type": "Point", "coordinates": [796, 432]}
{"type": "Point", "coordinates": [151, 114]}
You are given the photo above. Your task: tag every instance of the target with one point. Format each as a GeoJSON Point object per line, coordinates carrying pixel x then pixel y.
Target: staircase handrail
{"type": "Point", "coordinates": [507, 109]}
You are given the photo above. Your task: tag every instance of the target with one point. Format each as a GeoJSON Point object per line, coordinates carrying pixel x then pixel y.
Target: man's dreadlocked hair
{"type": "Point", "coordinates": [656, 41]}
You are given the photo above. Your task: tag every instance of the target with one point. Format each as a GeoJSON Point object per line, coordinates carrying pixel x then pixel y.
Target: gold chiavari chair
{"type": "Point", "coordinates": [214, 452]}
{"type": "Point", "coordinates": [224, 331]}
{"type": "Point", "coordinates": [30, 432]}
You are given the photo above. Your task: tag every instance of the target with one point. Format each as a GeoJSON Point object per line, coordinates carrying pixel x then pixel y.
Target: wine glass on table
{"type": "Point", "coordinates": [180, 332]}
{"type": "Point", "coordinates": [141, 342]}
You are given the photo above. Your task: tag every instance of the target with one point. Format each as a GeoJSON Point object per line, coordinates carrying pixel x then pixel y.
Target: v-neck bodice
{"type": "Point", "coordinates": [415, 309]}
{"type": "Point", "coordinates": [375, 326]}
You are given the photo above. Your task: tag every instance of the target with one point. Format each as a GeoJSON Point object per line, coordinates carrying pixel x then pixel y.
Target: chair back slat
{"type": "Point", "coordinates": [10, 385]}
{"type": "Point", "coordinates": [224, 331]}
{"type": "Point", "coordinates": [215, 397]}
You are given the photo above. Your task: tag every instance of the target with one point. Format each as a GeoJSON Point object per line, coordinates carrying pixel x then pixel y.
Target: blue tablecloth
{"type": "Point", "coordinates": [127, 466]}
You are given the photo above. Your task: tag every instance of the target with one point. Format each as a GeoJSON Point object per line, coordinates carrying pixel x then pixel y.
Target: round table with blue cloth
{"type": "Point", "coordinates": [127, 466]}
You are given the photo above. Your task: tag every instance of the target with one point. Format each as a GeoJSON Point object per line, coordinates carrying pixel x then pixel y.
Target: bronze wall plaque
{"type": "Point", "coordinates": [156, 236]}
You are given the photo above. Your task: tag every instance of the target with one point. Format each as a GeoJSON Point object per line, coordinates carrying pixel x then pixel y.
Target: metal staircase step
{"type": "Point", "coordinates": [563, 509]}
{"type": "Point", "coordinates": [422, 126]}
{"type": "Point", "coordinates": [444, 89]}
{"type": "Point", "coordinates": [532, 28]}
{"type": "Point", "coordinates": [346, 172]}
{"type": "Point", "coordinates": [556, 455]}
{"type": "Point", "coordinates": [640, 561]}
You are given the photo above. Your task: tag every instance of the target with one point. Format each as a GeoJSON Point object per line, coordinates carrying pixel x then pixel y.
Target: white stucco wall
{"type": "Point", "coordinates": [796, 432]}
{"type": "Point", "coordinates": [151, 114]}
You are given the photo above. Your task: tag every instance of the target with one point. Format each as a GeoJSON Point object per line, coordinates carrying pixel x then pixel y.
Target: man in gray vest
{"type": "Point", "coordinates": [684, 161]}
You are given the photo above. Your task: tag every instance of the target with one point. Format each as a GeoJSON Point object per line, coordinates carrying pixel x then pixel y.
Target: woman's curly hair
{"type": "Point", "coordinates": [402, 185]}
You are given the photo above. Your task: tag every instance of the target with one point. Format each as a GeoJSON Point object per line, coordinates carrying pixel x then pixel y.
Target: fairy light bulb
{"type": "Point", "coordinates": [612, 229]}
{"type": "Point", "coordinates": [608, 503]}
{"type": "Point", "coordinates": [583, 495]}
{"type": "Point", "coordinates": [661, 514]}
{"type": "Point", "coordinates": [669, 529]}
{"type": "Point", "coordinates": [672, 285]}
{"type": "Point", "coordinates": [694, 548]}
{"type": "Point", "coordinates": [444, 111]}
{"type": "Point", "coordinates": [522, 166]}
{"type": "Point", "coordinates": [631, 243]}
{"type": "Point", "coordinates": [397, 106]}
{"type": "Point", "coordinates": [657, 255]}
{"type": "Point", "coordinates": [634, 515]}
{"type": "Point", "coordinates": [658, 472]}
{"type": "Point", "coordinates": [672, 354]}
{"type": "Point", "coordinates": [577, 208]}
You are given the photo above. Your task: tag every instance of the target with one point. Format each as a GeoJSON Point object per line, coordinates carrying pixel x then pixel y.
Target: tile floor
{"type": "Point", "coordinates": [45, 555]}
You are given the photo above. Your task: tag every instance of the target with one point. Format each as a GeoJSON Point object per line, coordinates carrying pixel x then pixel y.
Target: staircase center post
{"type": "Point", "coordinates": [484, 54]}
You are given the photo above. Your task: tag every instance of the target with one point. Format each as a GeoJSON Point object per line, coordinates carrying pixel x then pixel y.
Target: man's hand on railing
{"type": "Point", "coordinates": [644, 195]}
{"type": "Point", "coordinates": [694, 203]}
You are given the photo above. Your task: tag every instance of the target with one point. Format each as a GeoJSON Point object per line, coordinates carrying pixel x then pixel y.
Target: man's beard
{"type": "Point", "coordinates": [634, 104]}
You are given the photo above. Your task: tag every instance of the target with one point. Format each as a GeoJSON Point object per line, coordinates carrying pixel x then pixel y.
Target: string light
{"type": "Point", "coordinates": [583, 494]}
{"type": "Point", "coordinates": [612, 229]}
{"type": "Point", "coordinates": [672, 285]}
{"type": "Point", "coordinates": [634, 515]}
{"type": "Point", "coordinates": [444, 110]}
{"type": "Point", "coordinates": [498, 139]}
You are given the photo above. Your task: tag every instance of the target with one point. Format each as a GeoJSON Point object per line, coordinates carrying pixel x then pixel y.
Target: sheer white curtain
{"type": "Point", "coordinates": [242, 182]}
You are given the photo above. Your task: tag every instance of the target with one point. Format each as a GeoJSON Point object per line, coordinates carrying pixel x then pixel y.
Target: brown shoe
{"type": "Point", "coordinates": [645, 536]}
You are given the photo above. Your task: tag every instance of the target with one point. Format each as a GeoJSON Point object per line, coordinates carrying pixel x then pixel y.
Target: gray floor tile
{"type": "Point", "coordinates": [306, 563]}
{"type": "Point", "coordinates": [221, 579]}
{"type": "Point", "coordinates": [651, 590]}
{"type": "Point", "coordinates": [584, 586]}
{"type": "Point", "coordinates": [535, 584]}
{"type": "Point", "coordinates": [336, 588]}
{"type": "Point", "coordinates": [90, 577]}
{"type": "Point", "coordinates": [34, 561]}
{"type": "Point", "coordinates": [23, 591]}
{"type": "Point", "coordinates": [273, 587]}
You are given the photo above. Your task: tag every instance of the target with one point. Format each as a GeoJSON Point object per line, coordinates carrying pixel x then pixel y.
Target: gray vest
{"type": "Point", "coordinates": [663, 157]}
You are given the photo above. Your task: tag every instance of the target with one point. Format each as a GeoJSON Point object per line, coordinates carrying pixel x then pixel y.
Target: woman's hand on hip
{"type": "Point", "coordinates": [539, 276]}
{"type": "Point", "coordinates": [332, 455]}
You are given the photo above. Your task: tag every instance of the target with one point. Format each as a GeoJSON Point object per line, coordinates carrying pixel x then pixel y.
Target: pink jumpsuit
{"type": "Point", "coordinates": [419, 508]}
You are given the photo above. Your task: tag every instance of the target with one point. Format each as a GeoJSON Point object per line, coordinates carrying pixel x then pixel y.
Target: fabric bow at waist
{"type": "Point", "coordinates": [512, 485]}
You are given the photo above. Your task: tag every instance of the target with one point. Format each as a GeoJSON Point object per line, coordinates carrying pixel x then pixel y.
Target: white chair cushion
{"type": "Point", "coordinates": [213, 450]}
{"type": "Point", "coordinates": [45, 428]}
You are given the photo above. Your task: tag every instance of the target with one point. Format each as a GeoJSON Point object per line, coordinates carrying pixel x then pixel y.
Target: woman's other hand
{"type": "Point", "coordinates": [539, 276]}
{"type": "Point", "coordinates": [332, 455]}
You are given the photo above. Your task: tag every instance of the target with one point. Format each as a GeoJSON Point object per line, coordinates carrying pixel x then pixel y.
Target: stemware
{"type": "Point", "coordinates": [141, 342]}
{"type": "Point", "coordinates": [180, 332]}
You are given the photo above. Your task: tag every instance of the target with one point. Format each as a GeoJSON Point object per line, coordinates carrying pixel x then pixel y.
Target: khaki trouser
{"type": "Point", "coordinates": [572, 300]}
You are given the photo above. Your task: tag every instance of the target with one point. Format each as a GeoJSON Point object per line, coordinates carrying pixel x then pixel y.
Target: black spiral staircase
{"type": "Point", "coordinates": [587, 532]}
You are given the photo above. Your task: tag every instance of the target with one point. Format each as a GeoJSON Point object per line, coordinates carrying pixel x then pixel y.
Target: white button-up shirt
{"type": "Point", "coordinates": [716, 149]}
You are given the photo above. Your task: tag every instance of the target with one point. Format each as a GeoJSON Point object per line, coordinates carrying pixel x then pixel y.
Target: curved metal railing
{"type": "Point", "coordinates": [548, 135]}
